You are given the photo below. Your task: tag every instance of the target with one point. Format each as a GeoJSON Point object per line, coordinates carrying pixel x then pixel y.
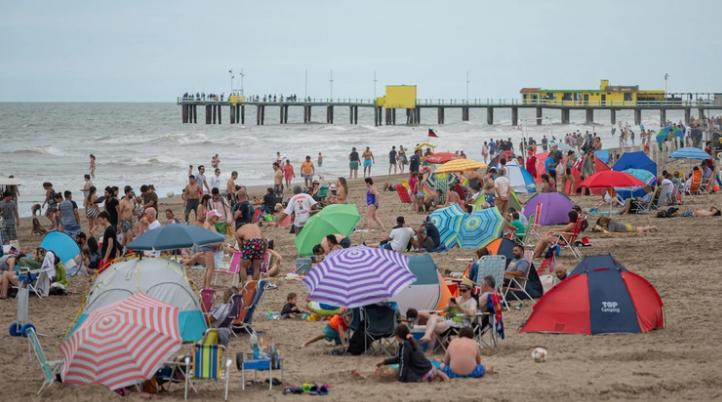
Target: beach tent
{"type": "Point", "coordinates": [502, 246]}
{"type": "Point", "coordinates": [599, 297]}
{"type": "Point", "coordinates": [158, 278]}
{"type": "Point", "coordinates": [602, 155]}
{"type": "Point", "coordinates": [64, 247]}
{"type": "Point", "coordinates": [428, 292]}
{"type": "Point", "coordinates": [555, 208]}
{"type": "Point", "coordinates": [520, 178]}
{"type": "Point", "coordinates": [599, 166]}
{"type": "Point", "coordinates": [635, 160]}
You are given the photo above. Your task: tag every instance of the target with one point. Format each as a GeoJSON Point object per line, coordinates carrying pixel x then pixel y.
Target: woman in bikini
{"type": "Point", "coordinates": [372, 205]}
{"type": "Point", "coordinates": [91, 208]}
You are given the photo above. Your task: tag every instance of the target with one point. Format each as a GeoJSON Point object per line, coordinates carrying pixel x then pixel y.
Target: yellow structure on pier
{"type": "Point", "coordinates": [398, 97]}
{"type": "Point", "coordinates": [606, 95]}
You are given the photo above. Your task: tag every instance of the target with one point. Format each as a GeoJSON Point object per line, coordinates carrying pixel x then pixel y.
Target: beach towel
{"type": "Point", "coordinates": [493, 306]}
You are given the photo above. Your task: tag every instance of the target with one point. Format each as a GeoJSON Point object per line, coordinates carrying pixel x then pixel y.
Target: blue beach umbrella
{"type": "Point", "coordinates": [62, 245]}
{"type": "Point", "coordinates": [175, 236]}
{"type": "Point", "coordinates": [644, 176]}
{"type": "Point", "coordinates": [447, 221]}
{"type": "Point", "coordinates": [480, 228]}
{"type": "Point", "coordinates": [690, 153]}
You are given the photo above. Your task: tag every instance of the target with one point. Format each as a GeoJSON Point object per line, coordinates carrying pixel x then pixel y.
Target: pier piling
{"type": "Point", "coordinates": [490, 115]}
{"type": "Point", "coordinates": [613, 116]}
{"type": "Point", "coordinates": [589, 116]}
{"type": "Point", "coordinates": [515, 116]}
{"type": "Point", "coordinates": [662, 117]}
{"type": "Point", "coordinates": [538, 116]}
{"type": "Point", "coordinates": [637, 116]}
{"type": "Point", "coordinates": [687, 115]}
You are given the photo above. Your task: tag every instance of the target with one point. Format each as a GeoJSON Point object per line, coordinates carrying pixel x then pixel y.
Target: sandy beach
{"type": "Point", "coordinates": [676, 363]}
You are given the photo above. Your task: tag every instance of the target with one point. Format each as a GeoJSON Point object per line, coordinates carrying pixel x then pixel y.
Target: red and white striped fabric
{"type": "Point", "coordinates": [122, 344]}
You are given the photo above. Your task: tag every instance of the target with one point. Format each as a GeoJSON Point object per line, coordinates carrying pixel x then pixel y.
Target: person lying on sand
{"type": "Point", "coordinates": [698, 213]}
{"type": "Point", "coordinates": [413, 366]}
{"type": "Point", "coordinates": [609, 226]}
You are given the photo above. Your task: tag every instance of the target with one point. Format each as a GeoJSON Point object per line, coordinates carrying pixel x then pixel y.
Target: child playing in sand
{"type": "Point", "coordinates": [334, 331]}
{"type": "Point", "coordinates": [290, 309]}
{"type": "Point", "coordinates": [413, 366]}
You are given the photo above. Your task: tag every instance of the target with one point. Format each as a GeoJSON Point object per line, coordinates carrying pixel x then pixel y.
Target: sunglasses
{"type": "Point", "coordinates": [464, 289]}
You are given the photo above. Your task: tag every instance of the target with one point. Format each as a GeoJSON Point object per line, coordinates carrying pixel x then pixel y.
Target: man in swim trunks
{"type": "Point", "coordinates": [463, 357]}
{"type": "Point", "coordinates": [369, 161]}
{"type": "Point", "coordinates": [125, 214]}
{"type": "Point", "coordinates": [253, 246]}
{"type": "Point", "coordinates": [191, 196]}
{"type": "Point", "coordinates": [353, 162]}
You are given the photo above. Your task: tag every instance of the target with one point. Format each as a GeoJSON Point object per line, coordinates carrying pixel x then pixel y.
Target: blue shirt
{"type": "Point", "coordinates": [550, 164]}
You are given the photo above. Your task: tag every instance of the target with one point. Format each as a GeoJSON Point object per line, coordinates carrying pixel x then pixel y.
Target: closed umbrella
{"type": "Point", "coordinates": [122, 344]}
{"type": "Point", "coordinates": [359, 276]}
{"type": "Point", "coordinates": [460, 165]}
{"type": "Point", "coordinates": [335, 218]}
{"type": "Point", "coordinates": [447, 221]}
{"type": "Point", "coordinates": [175, 236]}
{"type": "Point", "coordinates": [480, 228]}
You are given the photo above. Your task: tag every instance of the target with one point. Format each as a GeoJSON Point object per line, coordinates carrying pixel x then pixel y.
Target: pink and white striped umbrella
{"type": "Point", "coordinates": [122, 344]}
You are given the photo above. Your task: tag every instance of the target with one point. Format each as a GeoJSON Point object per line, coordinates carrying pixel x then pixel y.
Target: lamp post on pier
{"type": "Point", "coordinates": [230, 72]}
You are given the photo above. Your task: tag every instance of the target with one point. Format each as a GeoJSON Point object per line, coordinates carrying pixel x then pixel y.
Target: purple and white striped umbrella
{"type": "Point", "coordinates": [358, 276]}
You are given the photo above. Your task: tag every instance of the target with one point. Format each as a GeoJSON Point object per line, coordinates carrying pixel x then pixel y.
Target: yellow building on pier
{"type": "Point", "coordinates": [606, 95]}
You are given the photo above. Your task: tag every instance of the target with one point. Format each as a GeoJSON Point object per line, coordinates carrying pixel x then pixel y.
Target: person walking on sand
{"type": "Point", "coordinates": [369, 161]}
{"type": "Point", "coordinates": [91, 166]}
{"type": "Point", "coordinates": [372, 206]}
{"type": "Point", "coordinates": [353, 162]}
{"type": "Point", "coordinates": [277, 178]}
{"type": "Point", "coordinates": [393, 159]}
{"type": "Point", "coordinates": [402, 159]}
{"type": "Point", "coordinates": [231, 187]}
{"type": "Point", "coordinates": [288, 173]}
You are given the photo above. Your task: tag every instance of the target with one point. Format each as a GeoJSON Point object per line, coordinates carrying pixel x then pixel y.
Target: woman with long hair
{"type": "Point", "coordinates": [372, 205]}
{"type": "Point", "coordinates": [91, 208]}
{"type": "Point", "coordinates": [341, 190]}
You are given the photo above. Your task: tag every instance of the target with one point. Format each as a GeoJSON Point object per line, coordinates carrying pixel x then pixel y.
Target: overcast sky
{"type": "Point", "coordinates": [135, 50]}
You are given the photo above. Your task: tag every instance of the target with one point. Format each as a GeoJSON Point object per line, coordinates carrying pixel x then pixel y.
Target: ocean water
{"type": "Point", "coordinates": [137, 143]}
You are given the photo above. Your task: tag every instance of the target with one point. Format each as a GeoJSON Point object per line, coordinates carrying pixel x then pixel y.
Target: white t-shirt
{"type": "Point", "coordinates": [215, 182]}
{"type": "Point", "coordinates": [153, 225]}
{"type": "Point", "coordinates": [300, 205]}
{"type": "Point", "coordinates": [400, 238]}
{"type": "Point", "coordinates": [502, 185]}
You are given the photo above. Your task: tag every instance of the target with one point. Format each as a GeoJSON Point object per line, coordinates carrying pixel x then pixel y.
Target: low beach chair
{"type": "Point", "coordinates": [207, 363]}
{"type": "Point", "coordinates": [491, 265]}
{"type": "Point", "coordinates": [245, 318]}
{"type": "Point", "coordinates": [568, 240]}
{"type": "Point", "coordinates": [533, 231]}
{"type": "Point", "coordinates": [516, 287]}
{"type": "Point", "coordinates": [380, 321]}
{"type": "Point", "coordinates": [51, 368]}
{"type": "Point", "coordinates": [404, 196]}
{"type": "Point", "coordinates": [234, 267]}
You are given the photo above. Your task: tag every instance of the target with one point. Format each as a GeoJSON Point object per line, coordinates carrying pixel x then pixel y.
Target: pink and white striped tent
{"type": "Point", "coordinates": [122, 344]}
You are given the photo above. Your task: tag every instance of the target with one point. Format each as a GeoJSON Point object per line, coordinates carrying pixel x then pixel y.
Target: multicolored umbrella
{"type": "Point", "coordinates": [447, 221]}
{"type": "Point", "coordinates": [335, 218]}
{"type": "Point", "coordinates": [122, 344]}
{"type": "Point", "coordinates": [358, 276]}
{"type": "Point", "coordinates": [460, 165]}
{"type": "Point", "coordinates": [663, 134]}
{"type": "Point", "coordinates": [611, 178]}
{"type": "Point", "coordinates": [690, 153]}
{"type": "Point", "coordinates": [480, 228]}
{"type": "Point", "coordinates": [175, 236]}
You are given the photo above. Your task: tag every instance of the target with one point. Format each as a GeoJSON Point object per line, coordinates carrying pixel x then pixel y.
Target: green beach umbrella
{"type": "Point", "coordinates": [334, 218]}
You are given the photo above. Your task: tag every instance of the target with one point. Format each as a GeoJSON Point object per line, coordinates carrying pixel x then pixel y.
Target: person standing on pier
{"type": "Point", "coordinates": [369, 161]}
{"type": "Point", "coordinates": [353, 162]}
{"type": "Point", "coordinates": [392, 159]}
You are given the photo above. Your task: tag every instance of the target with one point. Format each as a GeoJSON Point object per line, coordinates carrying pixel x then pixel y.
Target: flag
{"type": "Point", "coordinates": [432, 134]}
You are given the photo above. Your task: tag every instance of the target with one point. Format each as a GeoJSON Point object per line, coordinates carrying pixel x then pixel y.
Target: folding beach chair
{"type": "Point", "coordinates": [322, 194]}
{"type": "Point", "coordinates": [379, 323]}
{"type": "Point", "coordinates": [404, 196]}
{"type": "Point", "coordinates": [516, 287]}
{"type": "Point", "coordinates": [568, 240]}
{"type": "Point", "coordinates": [207, 363]}
{"type": "Point", "coordinates": [533, 231]}
{"type": "Point", "coordinates": [51, 368]}
{"type": "Point", "coordinates": [245, 318]}
{"type": "Point", "coordinates": [207, 296]}
{"type": "Point", "coordinates": [234, 267]}
{"type": "Point", "coordinates": [491, 265]}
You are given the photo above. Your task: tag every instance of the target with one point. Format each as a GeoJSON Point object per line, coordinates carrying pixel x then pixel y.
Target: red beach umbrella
{"type": "Point", "coordinates": [611, 178]}
{"type": "Point", "coordinates": [441, 157]}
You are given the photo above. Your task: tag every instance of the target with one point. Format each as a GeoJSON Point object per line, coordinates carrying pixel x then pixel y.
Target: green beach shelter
{"type": "Point", "coordinates": [334, 218]}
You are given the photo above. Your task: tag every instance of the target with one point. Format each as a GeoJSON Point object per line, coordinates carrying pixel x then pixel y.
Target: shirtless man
{"type": "Point", "coordinates": [191, 196]}
{"type": "Point", "coordinates": [277, 178]}
{"type": "Point", "coordinates": [206, 253]}
{"type": "Point", "coordinates": [253, 246]}
{"type": "Point", "coordinates": [125, 214]}
{"type": "Point", "coordinates": [463, 357]}
{"type": "Point", "coordinates": [231, 187]}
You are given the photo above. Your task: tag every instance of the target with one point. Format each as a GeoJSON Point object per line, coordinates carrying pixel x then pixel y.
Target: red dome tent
{"type": "Point", "coordinates": [599, 166]}
{"type": "Point", "coordinates": [599, 297]}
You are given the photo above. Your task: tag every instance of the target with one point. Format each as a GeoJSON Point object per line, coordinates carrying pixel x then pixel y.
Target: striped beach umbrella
{"type": "Point", "coordinates": [480, 228]}
{"type": "Point", "coordinates": [460, 165]}
{"type": "Point", "coordinates": [358, 276]}
{"type": "Point", "coordinates": [122, 344]}
{"type": "Point", "coordinates": [644, 176]}
{"type": "Point", "coordinates": [690, 153]}
{"type": "Point", "coordinates": [447, 221]}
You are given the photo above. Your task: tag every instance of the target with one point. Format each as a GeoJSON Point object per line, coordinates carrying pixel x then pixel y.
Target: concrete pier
{"type": "Point", "coordinates": [565, 116]}
{"type": "Point", "coordinates": [613, 116]}
{"type": "Point", "coordinates": [465, 113]}
{"type": "Point", "coordinates": [687, 115]}
{"type": "Point", "coordinates": [515, 116]}
{"type": "Point", "coordinates": [637, 117]}
{"type": "Point", "coordinates": [589, 116]}
{"type": "Point", "coordinates": [662, 117]}
{"type": "Point", "coordinates": [490, 115]}
{"type": "Point", "coordinates": [538, 116]}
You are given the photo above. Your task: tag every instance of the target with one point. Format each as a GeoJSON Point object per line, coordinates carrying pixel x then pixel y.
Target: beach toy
{"type": "Point", "coordinates": [323, 309]}
{"type": "Point", "coordinates": [539, 355]}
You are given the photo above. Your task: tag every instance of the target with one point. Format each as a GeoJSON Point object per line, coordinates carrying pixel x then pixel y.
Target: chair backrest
{"type": "Point", "coordinates": [537, 214]}
{"type": "Point", "coordinates": [494, 266]}
{"type": "Point", "coordinates": [322, 192]}
{"type": "Point", "coordinates": [207, 295]}
{"type": "Point", "coordinates": [234, 311]}
{"type": "Point", "coordinates": [248, 294]}
{"type": "Point", "coordinates": [207, 361]}
{"type": "Point", "coordinates": [403, 194]}
{"type": "Point", "coordinates": [379, 320]}
{"type": "Point", "coordinates": [235, 265]}
{"type": "Point", "coordinates": [260, 289]}
{"type": "Point", "coordinates": [40, 354]}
